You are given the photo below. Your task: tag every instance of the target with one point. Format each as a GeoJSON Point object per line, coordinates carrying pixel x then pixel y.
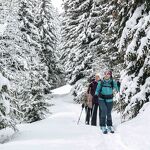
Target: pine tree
{"type": "Point", "coordinates": [96, 31]}
{"type": "Point", "coordinates": [6, 119]}
{"type": "Point", "coordinates": [33, 103]}
{"type": "Point", "coordinates": [76, 56]}
{"type": "Point", "coordinates": [58, 32]}
{"type": "Point", "coordinates": [22, 44]}
{"type": "Point", "coordinates": [48, 40]}
{"type": "Point", "coordinates": [135, 76]}
{"type": "Point", "coordinates": [13, 62]}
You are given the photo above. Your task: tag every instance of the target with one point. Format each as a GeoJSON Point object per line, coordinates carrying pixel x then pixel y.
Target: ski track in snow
{"type": "Point", "coordinates": [61, 132]}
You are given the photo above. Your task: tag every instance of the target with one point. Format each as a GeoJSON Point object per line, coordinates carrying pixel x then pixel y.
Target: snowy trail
{"type": "Point", "coordinates": [61, 132]}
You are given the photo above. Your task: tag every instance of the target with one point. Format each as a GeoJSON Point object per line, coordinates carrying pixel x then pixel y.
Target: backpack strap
{"type": "Point", "coordinates": [112, 84]}
{"type": "Point", "coordinates": [102, 85]}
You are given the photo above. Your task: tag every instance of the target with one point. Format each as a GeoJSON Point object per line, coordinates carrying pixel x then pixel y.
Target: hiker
{"type": "Point", "coordinates": [104, 91]}
{"type": "Point", "coordinates": [95, 104]}
{"type": "Point", "coordinates": [87, 104]}
{"type": "Point", "coordinates": [92, 102]}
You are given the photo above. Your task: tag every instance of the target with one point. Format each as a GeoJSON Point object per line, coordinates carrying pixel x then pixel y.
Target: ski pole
{"type": "Point", "coordinates": [80, 116]}
{"type": "Point", "coordinates": [120, 106]}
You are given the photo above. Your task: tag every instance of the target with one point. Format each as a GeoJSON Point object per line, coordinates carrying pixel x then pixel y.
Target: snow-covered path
{"type": "Point", "coordinates": [61, 132]}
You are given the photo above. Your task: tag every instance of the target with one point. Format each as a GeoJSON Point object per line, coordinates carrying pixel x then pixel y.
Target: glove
{"type": "Point", "coordinates": [95, 96]}
{"type": "Point", "coordinates": [82, 105]}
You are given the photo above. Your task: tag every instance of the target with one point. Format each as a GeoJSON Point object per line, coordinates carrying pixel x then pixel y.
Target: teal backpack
{"type": "Point", "coordinates": [109, 86]}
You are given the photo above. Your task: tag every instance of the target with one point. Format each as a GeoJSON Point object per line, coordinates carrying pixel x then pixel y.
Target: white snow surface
{"type": "Point", "coordinates": [3, 28]}
{"type": "Point", "coordinates": [62, 90]}
{"type": "Point", "coordinates": [4, 81]}
{"type": "Point", "coordinates": [59, 131]}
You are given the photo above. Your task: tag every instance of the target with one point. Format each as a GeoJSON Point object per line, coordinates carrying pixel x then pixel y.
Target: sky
{"type": "Point", "coordinates": [57, 4]}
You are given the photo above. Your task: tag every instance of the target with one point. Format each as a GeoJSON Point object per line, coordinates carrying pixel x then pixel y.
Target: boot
{"type": "Point", "coordinates": [110, 129]}
{"type": "Point", "coordinates": [104, 130]}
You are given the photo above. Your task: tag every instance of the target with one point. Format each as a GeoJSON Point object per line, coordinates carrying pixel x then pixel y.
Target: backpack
{"type": "Point", "coordinates": [106, 96]}
{"type": "Point", "coordinates": [89, 97]}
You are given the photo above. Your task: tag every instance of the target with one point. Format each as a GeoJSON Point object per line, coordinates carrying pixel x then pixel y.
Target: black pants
{"type": "Point", "coordinates": [88, 112]}
{"type": "Point", "coordinates": [105, 117]}
{"type": "Point", "coordinates": [94, 114]}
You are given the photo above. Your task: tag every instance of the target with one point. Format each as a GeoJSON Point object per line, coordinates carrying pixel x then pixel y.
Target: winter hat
{"type": "Point", "coordinates": [97, 74]}
{"type": "Point", "coordinates": [108, 73]}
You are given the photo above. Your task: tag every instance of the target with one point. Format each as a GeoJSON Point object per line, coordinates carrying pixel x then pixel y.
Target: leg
{"type": "Point", "coordinates": [100, 116]}
{"type": "Point", "coordinates": [86, 110]}
{"type": "Point", "coordinates": [88, 113]}
{"type": "Point", "coordinates": [109, 109]}
{"type": "Point", "coordinates": [94, 115]}
{"type": "Point", "coordinates": [103, 108]}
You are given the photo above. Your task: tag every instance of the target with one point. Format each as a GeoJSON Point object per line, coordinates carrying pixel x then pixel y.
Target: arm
{"type": "Point", "coordinates": [84, 104]}
{"type": "Point", "coordinates": [115, 86]}
{"type": "Point", "coordinates": [89, 89]}
{"type": "Point", "coordinates": [98, 88]}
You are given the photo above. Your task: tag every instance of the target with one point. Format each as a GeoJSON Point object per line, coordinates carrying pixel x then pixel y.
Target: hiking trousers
{"type": "Point", "coordinates": [105, 116]}
{"type": "Point", "coordinates": [94, 114]}
{"type": "Point", "coordinates": [88, 112]}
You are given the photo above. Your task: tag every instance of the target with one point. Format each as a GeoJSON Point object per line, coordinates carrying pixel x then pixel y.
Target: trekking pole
{"type": "Point", "coordinates": [80, 115]}
{"type": "Point", "coordinates": [120, 107]}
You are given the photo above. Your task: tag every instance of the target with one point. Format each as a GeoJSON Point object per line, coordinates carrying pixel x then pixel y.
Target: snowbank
{"type": "Point", "coordinates": [6, 135]}
{"type": "Point", "coordinates": [136, 132]}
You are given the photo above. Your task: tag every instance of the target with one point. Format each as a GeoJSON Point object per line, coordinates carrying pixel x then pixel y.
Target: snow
{"type": "Point", "coordinates": [3, 28]}
{"type": "Point", "coordinates": [137, 133]}
{"type": "Point", "coordinates": [3, 81]}
{"type": "Point", "coordinates": [62, 90]}
{"type": "Point", "coordinates": [131, 23]}
{"type": "Point", "coordinates": [58, 4]}
{"type": "Point", "coordinates": [61, 132]}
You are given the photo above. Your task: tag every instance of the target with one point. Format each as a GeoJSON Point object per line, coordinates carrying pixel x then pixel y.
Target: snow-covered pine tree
{"type": "Point", "coordinates": [12, 62]}
{"type": "Point", "coordinates": [6, 119]}
{"type": "Point", "coordinates": [76, 54]}
{"type": "Point", "coordinates": [33, 103]}
{"type": "Point", "coordinates": [135, 44]}
{"type": "Point", "coordinates": [15, 60]}
{"type": "Point", "coordinates": [58, 32]}
{"type": "Point", "coordinates": [106, 23]}
{"type": "Point", "coordinates": [48, 40]}
{"type": "Point", "coordinates": [21, 64]}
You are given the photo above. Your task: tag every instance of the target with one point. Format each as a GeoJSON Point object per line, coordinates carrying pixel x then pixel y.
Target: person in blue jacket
{"type": "Point", "coordinates": [104, 91]}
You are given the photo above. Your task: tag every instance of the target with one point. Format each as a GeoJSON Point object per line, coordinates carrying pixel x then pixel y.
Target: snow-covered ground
{"type": "Point", "coordinates": [61, 132]}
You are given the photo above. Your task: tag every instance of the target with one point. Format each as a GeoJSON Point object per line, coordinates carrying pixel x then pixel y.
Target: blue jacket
{"type": "Point", "coordinates": [106, 90]}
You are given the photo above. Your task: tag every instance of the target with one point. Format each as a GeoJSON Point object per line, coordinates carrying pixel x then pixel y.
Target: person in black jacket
{"type": "Point", "coordinates": [93, 112]}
